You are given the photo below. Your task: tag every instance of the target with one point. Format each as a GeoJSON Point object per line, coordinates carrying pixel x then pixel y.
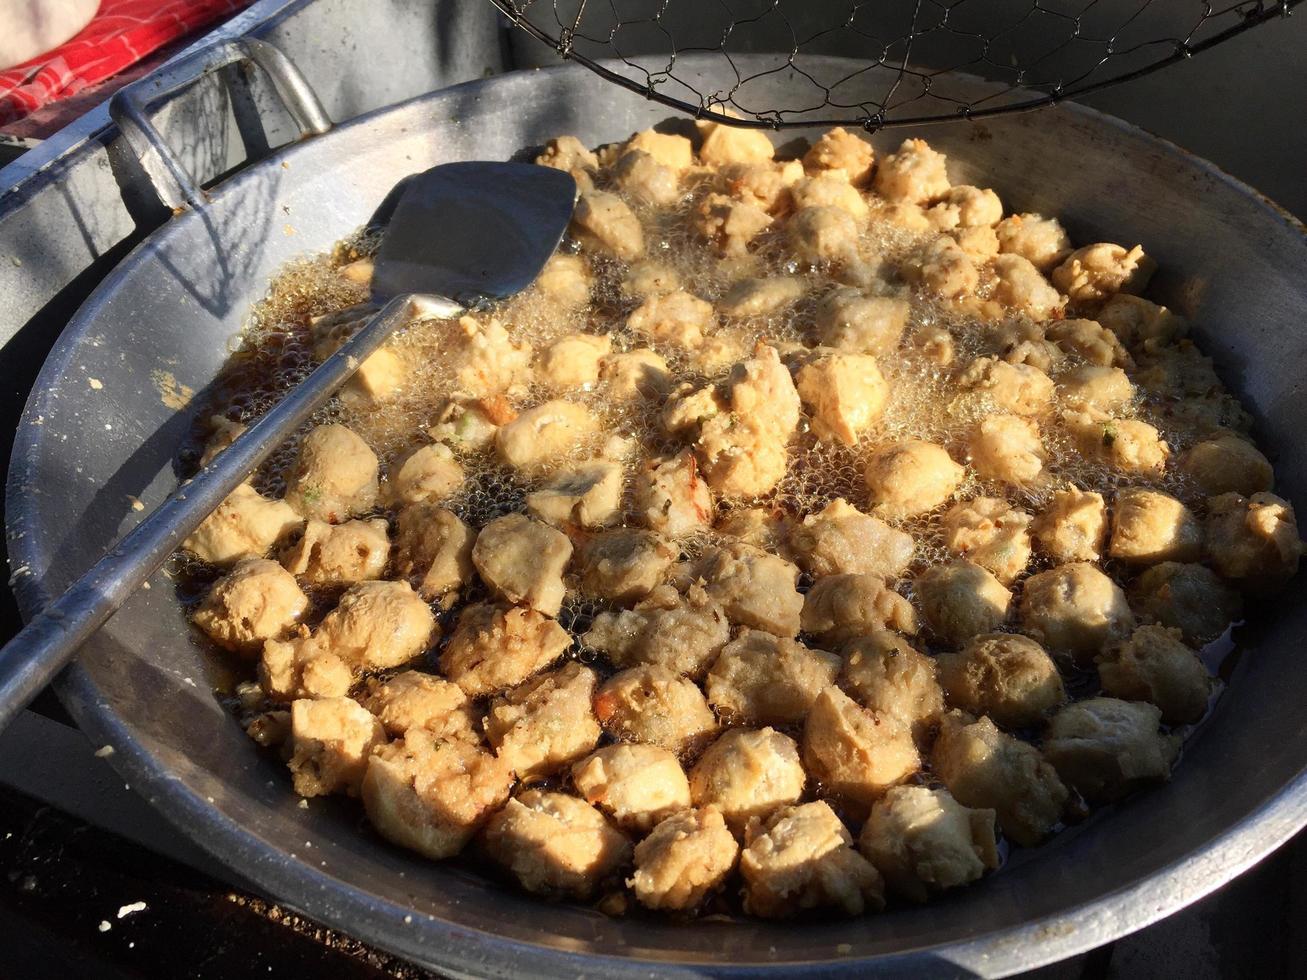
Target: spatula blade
{"type": "Point", "coordinates": [473, 232]}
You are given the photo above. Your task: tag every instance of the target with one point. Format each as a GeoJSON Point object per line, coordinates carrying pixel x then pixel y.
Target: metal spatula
{"type": "Point", "coordinates": [460, 235]}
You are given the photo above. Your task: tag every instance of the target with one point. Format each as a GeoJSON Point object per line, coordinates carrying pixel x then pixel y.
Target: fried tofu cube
{"type": "Point", "coordinates": [256, 601]}
{"type": "Point", "coordinates": [842, 540]}
{"type": "Point", "coordinates": [430, 793]}
{"type": "Point", "coordinates": [331, 739]}
{"type": "Point", "coordinates": [672, 496]}
{"type": "Point", "coordinates": [911, 478]}
{"type": "Point", "coordinates": [589, 496]}
{"type": "Point", "coordinates": [845, 393]}
{"type": "Point", "coordinates": [335, 475]}
{"type": "Point", "coordinates": [988, 769]}
{"type": "Point", "coordinates": [541, 437]}
{"type": "Point", "coordinates": [802, 858]}
{"type": "Point", "coordinates": [1106, 748]}
{"type": "Point", "coordinates": [1006, 676]}
{"type": "Point", "coordinates": [1154, 665]}
{"type": "Point", "coordinates": [755, 589]}
{"type": "Point", "coordinates": [823, 234]}
{"type": "Point", "coordinates": [923, 841]}
{"type": "Point", "coordinates": [555, 844]}
{"type": "Point", "coordinates": [245, 525]}
{"type": "Point", "coordinates": [887, 675]}
{"type": "Point", "coordinates": [636, 785]}
{"type": "Point", "coordinates": [763, 679]}
{"type": "Point", "coordinates": [748, 774]}
{"type": "Point", "coordinates": [914, 173]}
{"type": "Point", "coordinates": [565, 279]}
{"type": "Point", "coordinates": [433, 549]}
{"type": "Point", "coordinates": [654, 705]}
{"type": "Point", "coordinates": [724, 145]}
{"type": "Point", "coordinates": [1041, 241]}
{"type": "Point", "coordinates": [413, 699]}
{"type": "Point", "coordinates": [1148, 527]}
{"type": "Point", "coordinates": [1094, 273]}
{"type": "Point", "coordinates": [1076, 609]}
{"type": "Point", "coordinates": [959, 600]}
{"type": "Point", "coordinates": [605, 222]}
{"type": "Point", "coordinates": [375, 626]}
{"type": "Point", "coordinates": [1189, 597]}
{"type": "Point", "coordinates": [855, 754]}
{"type": "Point", "coordinates": [840, 608]}
{"type": "Point", "coordinates": [523, 561]}
{"type": "Point", "coordinates": [624, 564]}
{"type": "Point", "coordinates": [684, 859]}
{"type": "Point", "coordinates": [636, 374]}
{"type": "Point", "coordinates": [340, 554]}
{"type": "Point", "coordinates": [546, 722]}
{"type": "Point", "coordinates": [729, 224]}
{"type": "Point", "coordinates": [493, 648]}
{"type": "Point", "coordinates": [683, 633]}
{"type": "Point", "coordinates": [1253, 541]}
{"type": "Point", "coordinates": [1008, 449]}
{"type": "Point", "coordinates": [990, 532]}
{"type": "Point", "coordinates": [1073, 527]}
{"type": "Point", "coordinates": [838, 150]}
{"type": "Point", "coordinates": [850, 320]}
{"type": "Point", "coordinates": [1227, 464]}
{"type": "Point", "coordinates": [674, 319]}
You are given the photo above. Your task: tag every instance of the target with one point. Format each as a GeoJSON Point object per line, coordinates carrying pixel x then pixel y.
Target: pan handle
{"type": "Point", "coordinates": [129, 109]}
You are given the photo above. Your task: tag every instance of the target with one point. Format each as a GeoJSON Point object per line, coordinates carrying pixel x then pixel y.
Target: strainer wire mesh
{"type": "Point", "coordinates": [1035, 53]}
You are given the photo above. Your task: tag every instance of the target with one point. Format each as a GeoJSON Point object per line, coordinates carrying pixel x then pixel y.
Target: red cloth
{"type": "Point", "coordinates": [121, 34]}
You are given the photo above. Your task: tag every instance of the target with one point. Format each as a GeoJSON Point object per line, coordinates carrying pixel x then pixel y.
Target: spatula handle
{"type": "Point", "coordinates": [31, 659]}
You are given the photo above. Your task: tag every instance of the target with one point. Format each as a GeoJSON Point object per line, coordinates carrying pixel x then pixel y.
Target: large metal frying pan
{"type": "Point", "coordinates": [165, 318]}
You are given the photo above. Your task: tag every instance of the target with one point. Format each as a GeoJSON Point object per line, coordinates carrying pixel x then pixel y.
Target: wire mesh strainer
{"type": "Point", "coordinates": [1034, 52]}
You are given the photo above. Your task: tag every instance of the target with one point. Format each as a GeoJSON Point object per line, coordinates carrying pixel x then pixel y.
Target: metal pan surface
{"type": "Point", "coordinates": [103, 424]}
